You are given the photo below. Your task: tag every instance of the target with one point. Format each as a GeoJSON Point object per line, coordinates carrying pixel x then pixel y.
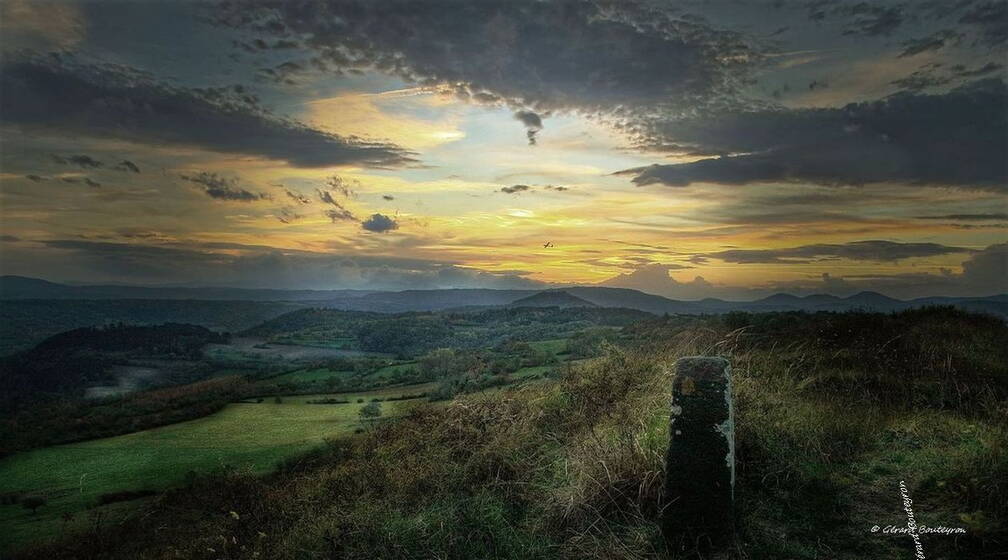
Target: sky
{"type": "Point", "coordinates": [688, 149]}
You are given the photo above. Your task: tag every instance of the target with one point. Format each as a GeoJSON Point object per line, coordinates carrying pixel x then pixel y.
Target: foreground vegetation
{"type": "Point", "coordinates": [832, 410]}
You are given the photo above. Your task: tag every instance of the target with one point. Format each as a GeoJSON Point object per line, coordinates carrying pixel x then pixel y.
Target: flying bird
{"type": "Point", "coordinates": [547, 245]}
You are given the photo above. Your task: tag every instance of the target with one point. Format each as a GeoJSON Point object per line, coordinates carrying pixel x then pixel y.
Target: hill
{"type": "Point", "coordinates": [68, 363]}
{"type": "Point", "coordinates": [832, 410]}
{"type": "Point", "coordinates": [552, 298]}
{"type": "Point", "coordinates": [26, 322]}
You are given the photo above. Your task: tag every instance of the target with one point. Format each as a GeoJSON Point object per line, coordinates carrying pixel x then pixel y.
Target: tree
{"type": "Point", "coordinates": [370, 411]}
{"type": "Point", "coordinates": [33, 502]}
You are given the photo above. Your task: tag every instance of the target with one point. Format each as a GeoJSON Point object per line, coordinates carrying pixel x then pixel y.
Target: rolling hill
{"type": "Point", "coordinates": [552, 298]}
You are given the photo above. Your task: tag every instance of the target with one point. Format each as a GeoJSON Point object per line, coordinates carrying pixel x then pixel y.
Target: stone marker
{"type": "Point", "coordinates": [700, 464]}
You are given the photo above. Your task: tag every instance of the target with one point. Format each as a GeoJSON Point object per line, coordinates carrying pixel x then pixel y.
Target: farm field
{"type": "Point", "coordinates": [246, 435]}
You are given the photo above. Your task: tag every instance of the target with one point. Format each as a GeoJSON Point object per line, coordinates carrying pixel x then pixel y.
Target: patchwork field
{"type": "Point", "coordinates": [72, 478]}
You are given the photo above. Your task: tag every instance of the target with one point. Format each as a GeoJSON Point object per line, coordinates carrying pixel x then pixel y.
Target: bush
{"type": "Point", "coordinates": [33, 502]}
{"type": "Point", "coordinates": [370, 411]}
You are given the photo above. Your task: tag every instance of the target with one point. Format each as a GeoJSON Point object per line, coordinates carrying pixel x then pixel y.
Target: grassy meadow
{"type": "Point", "coordinates": [249, 436]}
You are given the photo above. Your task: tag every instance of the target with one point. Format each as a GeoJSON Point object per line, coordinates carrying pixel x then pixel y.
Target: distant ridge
{"type": "Point", "coordinates": [21, 288]}
{"type": "Point", "coordinates": [551, 298]}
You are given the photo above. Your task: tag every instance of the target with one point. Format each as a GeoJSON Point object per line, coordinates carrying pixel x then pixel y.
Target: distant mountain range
{"type": "Point", "coordinates": [18, 287]}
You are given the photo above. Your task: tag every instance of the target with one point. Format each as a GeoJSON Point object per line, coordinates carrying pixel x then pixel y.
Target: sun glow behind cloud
{"type": "Point", "coordinates": [461, 182]}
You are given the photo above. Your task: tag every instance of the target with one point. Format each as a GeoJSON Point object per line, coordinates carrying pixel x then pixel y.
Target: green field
{"type": "Point", "coordinates": [309, 375]}
{"type": "Point", "coordinates": [243, 435]}
{"type": "Point", "coordinates": [554, 346]}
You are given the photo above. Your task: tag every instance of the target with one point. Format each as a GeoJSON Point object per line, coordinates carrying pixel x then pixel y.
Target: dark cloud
{"type": "Point", "coordinates": [992, 19]}
{"type": "Point", "coordinates": [223, 188]}
{"type": "Point", "coordinates": [339, 214]}
{"type": "Point", "coordinates": [515, 189]}
{"type": "Point", "coordinates": [935, 74]}
{"type": "Point", "coordinates": [36, 178]}
{"type": "Point", "coordinates": [342, 186]}
{"type": "Point", "coordinates": [859, 17]}
{"type": "Point", "coordinates": [556, 188]}
{"type": "Point", "coordinates": [327, 197]}
{"type": "Point", "coordinates": [932, 42]}
{"type": "Point", "coordinates": [967, 217]}
{"type": "Point", "coordinates": [533, 124]}
{"type": "Point", "coordinates": [379, 223]}
{"type": "Point", "coordinates": [388, 197]}
{"type": "Point", "coordinates": [90, 183]}
{"type": "Point", "coordinates": [62, 95]}
{"type": "Point", "coordinates": [288, 73]}
{"type": "Point", "coordinates": [297, 197]}
{"type": "Point", "coordinates": [591, 56]}
{"type": "Point", "coordinates": [127, 165]}
{"type": "Point", "coordinates": [82, 161]}
{"type": "Point", "coordinates": [876, 251]}
{"type": "Point", "coordinates": [954, 139]}
{"type": "Point", "coordinates": [9, 238]}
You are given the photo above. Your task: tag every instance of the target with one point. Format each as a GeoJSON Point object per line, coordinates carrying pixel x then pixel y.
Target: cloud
{"type": "Point", "coordinates": [933, 42]}
{"type": "Point", "coordinates": [590, 56]}
{"type": "Point", "coordinates": [42, 25]}
{"type": "Point", "coordinates": [987, 270]}
{"type": "Point", "coordinates": [388, 197]}
{"type": "Point", "coordinates": [954, 139]}
{"type": "Point", "coordinates": [36, 178]}
{"type": "Point", "coordinates": [515, 189]}
{"type": "Point", "coordinates": [379, 223]}
{"type": "Point", "coordinates": [326, 197]}
{"type": "Point", "coordinates": [127, 165]}
{"type": "Point", "coordinates": [983, 273]}
{"type": "Point", "coordinates": [245, 266]}
{"type": "Point", "coordinates": [533, 124]}
{"type": "Point", "coordinates": [339, 214]}
{"type": "Point", "coordinates": [933, 75]}
{"type": "Point", "coordinates": [967, 217]}
{"type": "Point", "coordinates": [991, 18]}
{"type": "Point", "coordinates": [655, 279]}
{"type": "Point", "coordinates": [223, 188]}
{"type": "Point", "coordinates": [342, 186]}
{"type": "Point", "coordinates": [82, 161]}
{"type": "Point", "coordinates": [297, 197]}
{"type": "Point", "coordinates": [288, 215]}
{"type": "Point", "coordinates": [875, 250]}
{"type": "Point", "coordinates": [871, 20]}
{"type": "Point", "coordinates": [90, 183]}
{"type": "Point", "coordinates": [61, 95]}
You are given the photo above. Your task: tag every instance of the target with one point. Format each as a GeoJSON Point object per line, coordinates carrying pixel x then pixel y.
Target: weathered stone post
{"type": "Point", "coordinates": [700, 464]}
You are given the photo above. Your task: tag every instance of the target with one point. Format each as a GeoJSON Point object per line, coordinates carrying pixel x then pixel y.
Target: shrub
{"type": "Point", "coordinates": [33, 502]}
